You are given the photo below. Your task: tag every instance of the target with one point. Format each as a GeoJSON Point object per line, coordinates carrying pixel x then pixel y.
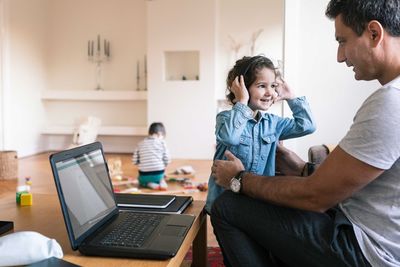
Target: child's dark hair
{"type": "Point", "coordinates": [157, 127]}
{"type": "Point", "coordinates": [248, 67]}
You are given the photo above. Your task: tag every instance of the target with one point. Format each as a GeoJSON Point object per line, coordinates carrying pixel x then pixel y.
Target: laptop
{"type": "Point", "coordinates": [95, 224]}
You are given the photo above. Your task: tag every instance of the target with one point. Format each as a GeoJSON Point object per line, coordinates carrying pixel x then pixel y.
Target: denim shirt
{"type": "Point", "coordinates": [254, 141]}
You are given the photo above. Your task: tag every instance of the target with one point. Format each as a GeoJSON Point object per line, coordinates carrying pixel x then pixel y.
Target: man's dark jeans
{"type": "Point", "coordinates": [255, 233]}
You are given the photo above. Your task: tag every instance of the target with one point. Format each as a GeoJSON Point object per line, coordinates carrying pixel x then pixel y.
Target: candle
{"type": "Point", "coordinates": [145, 64]}
{"type": "Point", "coordinates": [92, 48]}
{"type": "Point", "coordinates": [107, 49]}
{"type": "Point", "coordinates": [98, 43]}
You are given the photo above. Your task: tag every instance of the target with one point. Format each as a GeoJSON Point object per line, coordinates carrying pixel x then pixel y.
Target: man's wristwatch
{"type": "Point", "coordinates": [236, 182]}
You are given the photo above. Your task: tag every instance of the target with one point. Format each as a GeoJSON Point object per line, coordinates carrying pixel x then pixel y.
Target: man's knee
{"type": "Point", "coordinates": [220, 205]}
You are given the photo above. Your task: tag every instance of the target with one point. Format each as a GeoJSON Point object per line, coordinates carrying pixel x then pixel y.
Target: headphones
{"type": "Point", "coordinates": [251, 62]}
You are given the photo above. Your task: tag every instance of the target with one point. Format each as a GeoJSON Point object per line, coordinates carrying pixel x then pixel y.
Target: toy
{"type": "Point", "coordinates": [184, 170]}
{"type": "Point", "coordinates": [202, 187]}
{"type": "Point", "coordinates": [126, 184]}
{"type": "Point", "coordinates": [28, 180]}
{"type": "Point", "coordinates": [86, 132]}
{"type": "Point", "coordinates": [18, 196]}
{"type": "Point", "coordinates": [26, 199]}
{"type": "Point", "coordinates": [192, 185]}
{"type": "Point", "coordinates": [115, 167]}
{"type": "Point", "coordinates": [23, 195]}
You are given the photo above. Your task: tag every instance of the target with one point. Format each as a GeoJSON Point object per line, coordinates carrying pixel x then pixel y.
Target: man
{"type": "Point", "coordinates": [347, 213]}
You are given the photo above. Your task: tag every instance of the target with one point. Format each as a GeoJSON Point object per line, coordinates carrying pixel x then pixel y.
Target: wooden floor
{"type": "Point", "coordinates": [38, 168]}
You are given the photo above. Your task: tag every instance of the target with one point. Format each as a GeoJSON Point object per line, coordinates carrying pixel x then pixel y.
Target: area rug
{"type": "Point", "coordinates": [214, 257]}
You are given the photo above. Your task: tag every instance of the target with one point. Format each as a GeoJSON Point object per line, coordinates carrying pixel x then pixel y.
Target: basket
{"type": "Point", "coordinates": [8, 165]}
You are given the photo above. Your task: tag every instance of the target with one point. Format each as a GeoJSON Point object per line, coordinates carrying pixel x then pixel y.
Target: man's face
{"type": "Point", "coordinates": [355, 50]}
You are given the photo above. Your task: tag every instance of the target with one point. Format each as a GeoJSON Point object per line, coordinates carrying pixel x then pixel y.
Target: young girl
{"type": "Point", "coordinates": [247, 130]}
{"type": "Point", "coordinates": [152, 157]}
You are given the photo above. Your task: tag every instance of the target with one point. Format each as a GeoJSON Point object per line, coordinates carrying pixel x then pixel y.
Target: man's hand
{"type": "Point", "coordinates": [224, 170]}
{"type": "Point", "coordinates": [287, 162]}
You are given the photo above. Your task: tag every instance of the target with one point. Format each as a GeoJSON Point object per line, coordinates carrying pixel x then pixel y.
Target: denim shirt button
{"type": "Point", "coordinates": [269, 140]}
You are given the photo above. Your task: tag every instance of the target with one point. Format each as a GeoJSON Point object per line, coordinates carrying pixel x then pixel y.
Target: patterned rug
{"type": "Point", "coordinates": [214, 257]}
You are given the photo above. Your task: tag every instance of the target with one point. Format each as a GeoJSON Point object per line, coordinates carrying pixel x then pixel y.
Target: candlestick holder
{"type": "Point", "coordinates": [138, 75]}
{"type": "Point", "coordinates": [100, 56]}
{"type": "Point", "coordinates": [145, 73]}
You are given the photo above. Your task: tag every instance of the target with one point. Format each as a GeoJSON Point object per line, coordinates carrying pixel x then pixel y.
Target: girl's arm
{"type": "Point", "coordinates": [303, 122]}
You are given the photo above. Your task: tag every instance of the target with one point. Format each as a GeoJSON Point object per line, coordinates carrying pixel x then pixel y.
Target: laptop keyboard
{"type": "Point", "coordinates": [133, 230]}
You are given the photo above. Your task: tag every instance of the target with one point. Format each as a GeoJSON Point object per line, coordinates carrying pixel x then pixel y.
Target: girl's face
{"type": "Point", "coordinates": [262, 90]}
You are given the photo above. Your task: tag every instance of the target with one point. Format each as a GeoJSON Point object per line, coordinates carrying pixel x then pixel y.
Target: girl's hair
{"type": "Point", "coordinates": [157, 127]}
{"type": "Point", "coordinates": [248, 67]}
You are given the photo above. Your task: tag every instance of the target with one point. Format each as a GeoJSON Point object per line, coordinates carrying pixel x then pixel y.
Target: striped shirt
{"type": "Point", "coordinates": [151, 155]}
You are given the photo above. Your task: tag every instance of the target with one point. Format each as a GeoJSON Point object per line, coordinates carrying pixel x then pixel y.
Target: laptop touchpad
{"type": "Point", "coordinates": [174, 230]}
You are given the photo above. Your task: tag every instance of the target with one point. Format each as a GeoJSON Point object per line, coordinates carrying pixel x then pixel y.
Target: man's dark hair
{"type": "Point", "coordinates": [157, 127]}
{"type": "Point", "coordinates": [357, 13]}
{"type": "Point", "coordinates": [248, 67]}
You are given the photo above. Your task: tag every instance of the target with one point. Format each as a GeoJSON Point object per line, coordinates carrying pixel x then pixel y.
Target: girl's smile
{"type": "Point", "coordinates": [262, 91]}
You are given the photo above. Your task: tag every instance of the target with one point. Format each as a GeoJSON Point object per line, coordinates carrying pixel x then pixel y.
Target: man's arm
{"type": "Point", "coordinates": [338, 177]}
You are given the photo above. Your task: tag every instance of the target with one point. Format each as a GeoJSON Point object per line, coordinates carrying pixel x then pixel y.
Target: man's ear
{"type": "Point", "coordinates": [375, 31]}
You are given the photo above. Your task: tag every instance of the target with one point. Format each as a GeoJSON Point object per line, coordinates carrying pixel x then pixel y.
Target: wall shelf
{"type": "Point", "coordinates": [182, 65]}
{"type": "Point", "coordinates": [92, 95]}
{"type": "Point", "coordinates": [104, 130]}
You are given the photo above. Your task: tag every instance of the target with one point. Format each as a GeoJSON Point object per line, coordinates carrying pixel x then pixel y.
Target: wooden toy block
{"type": "Point", "coordinates": [26, 199]}
{"type": "Point", "coordinates": [18, 196]}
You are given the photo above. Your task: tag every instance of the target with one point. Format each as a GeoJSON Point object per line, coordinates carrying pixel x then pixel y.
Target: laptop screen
{"type": "Point", "coordinates": [86, 189]}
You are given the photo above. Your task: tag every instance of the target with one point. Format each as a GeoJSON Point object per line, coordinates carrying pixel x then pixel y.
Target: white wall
{"type": "Point", "coordinates": [25, 75]}
{"type": "Point", "coordinates": [73, 22]}
{"type": "Point", "coordinates": [2, 55]}
{"type": "Point", "coordinates": [238, 20]}
{"type": "Point", "coordinates": [187, 108]}
{"type": "Point", "coordinates": [46, 46]}
{"type": "Point", "coordinates": [123, 24]}
{"type": "Point", "coordinates": [310, 59]}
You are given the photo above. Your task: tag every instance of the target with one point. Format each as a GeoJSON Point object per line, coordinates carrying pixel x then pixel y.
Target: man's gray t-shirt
{"type": "Point", "coordinates": [374, 211]}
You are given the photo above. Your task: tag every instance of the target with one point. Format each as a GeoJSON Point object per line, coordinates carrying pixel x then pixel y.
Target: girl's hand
{"type": "Point", "coordinates": [283, 89]}
{"type": "Point", "coordinates": [238, 88]}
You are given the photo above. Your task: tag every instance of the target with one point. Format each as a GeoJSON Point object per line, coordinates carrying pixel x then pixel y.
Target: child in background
{"type": "Point", "coordinates": [247, 130]}
{"type": "Point", "coordinates": [152, 157]}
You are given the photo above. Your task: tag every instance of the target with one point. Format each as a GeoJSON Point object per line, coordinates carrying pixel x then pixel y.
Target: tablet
{"type": "Point", "coordinates": [144, 200]}
{"type": "Point", "coordinates": [177, 206]}
{"type": "Point", "coordinates": [5, 226]}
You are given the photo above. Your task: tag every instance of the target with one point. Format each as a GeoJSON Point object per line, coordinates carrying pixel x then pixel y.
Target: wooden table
{"type": "Point", "coordinates": [46, 218]}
